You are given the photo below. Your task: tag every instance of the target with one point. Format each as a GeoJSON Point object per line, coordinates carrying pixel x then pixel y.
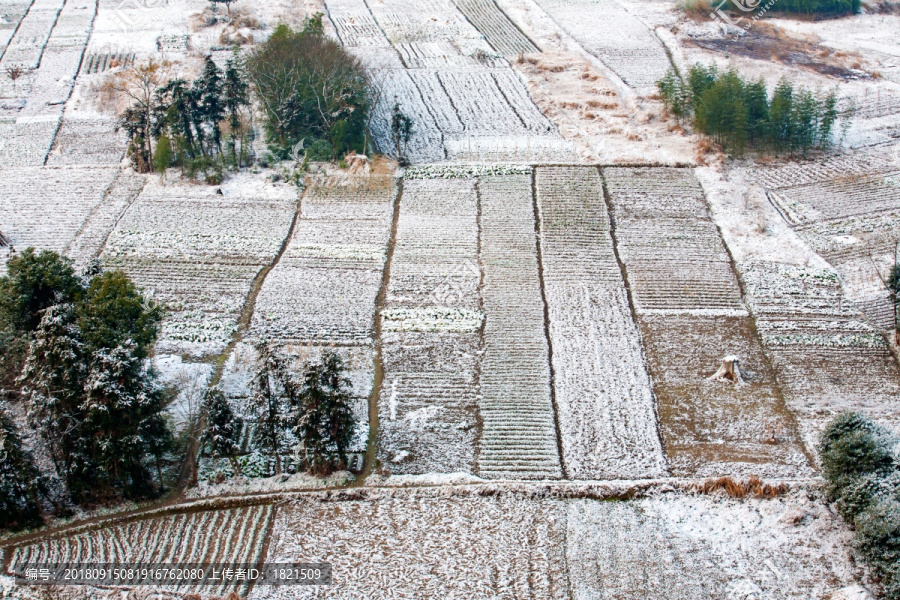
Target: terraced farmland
{"type": "Point", "coordinates": [444, 74]}
{"type": "Point", "coordinates": [199, 252]}
{"type": "Point", "coordinates": [691, 315]}
{"type": "Point", "coordinates": [518, 430]}
{"type": "Point", "coordinates": [827, 357]}
{"type": "Point", "coordinates": [47, 208]}
{"type": "Point", "coordinates": [606, 409]}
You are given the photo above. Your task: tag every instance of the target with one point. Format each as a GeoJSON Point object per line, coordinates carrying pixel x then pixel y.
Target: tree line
{"type": "Point", "coordinates": [73, 356]}
{"type": "Point", "coordinates": [740, 114]}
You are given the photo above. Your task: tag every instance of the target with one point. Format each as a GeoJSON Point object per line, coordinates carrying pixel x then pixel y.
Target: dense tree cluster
{"type": "Point", "coordinates": [316, 410]}
{"type": "Point", "coordinates": [201, 126]}
{"type": "Point", "coordinates": [77, 362]}
{"type": "Point", "coordinates": [739, 114]}
{"type": "Point", "coordinates": [310, 88]}
{"type": "Point", "coordinates": [861, 467]}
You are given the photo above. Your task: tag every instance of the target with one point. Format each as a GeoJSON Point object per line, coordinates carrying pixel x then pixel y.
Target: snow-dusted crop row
{"type": "Point", "coordinates": [606, 409]}
{"type": "Point", "coordinates": [226, 536]}
{"type": "Point", "coordinates": [27, 45]}
{"type": "Point", "coordinates": [827, 357]}
{"type": "Point", "coordinates": [325, 284]}
{"type": "Point", "coordinates": [673, 252]}
{"type": "Point", "coordinates": [47, 207]}
{"type": "Point", "coordinates": [431, 325]}
{"type": "Point", "coordinates": [519, 434]}
{"type": "Point", "coordinates": [198, 252]}
{"type": "Point", "coordinates": [445, 76]}
{"type": "Point", "coordinates": [845, 166]}
{"type": "Point", "coordinates": [618, 38]}
{"type": "Point", "coordinates": [683, 547]}
{"type": "Point", "coordinates": [419, 544]}
{"type": "Point", "coordinates": [496, 27]}
{"type": "Point", "coordinates": [13, 11]}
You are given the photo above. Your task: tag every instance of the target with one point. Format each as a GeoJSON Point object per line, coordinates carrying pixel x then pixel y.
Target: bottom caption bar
{"type": "Point", "coordinates": [109, 574]}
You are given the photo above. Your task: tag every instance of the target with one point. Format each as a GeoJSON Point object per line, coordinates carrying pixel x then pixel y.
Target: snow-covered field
{"type": "Point", "coordinates": [198, 251]}
{"type": "Point", "coordinates": [606, 410]}
{"type": "Point", "coordinates": [535, 298]}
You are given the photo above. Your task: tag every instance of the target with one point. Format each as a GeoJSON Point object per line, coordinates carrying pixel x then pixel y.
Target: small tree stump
{"type": "Point", "coordinates": [729, 371]}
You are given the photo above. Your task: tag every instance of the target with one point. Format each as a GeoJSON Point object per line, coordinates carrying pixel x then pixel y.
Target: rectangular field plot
{"type": "Point", "coordinates": [441, 72]}
{"type": "Point", "coordinates": [686, 547]}
{"type": "Point", "coordinates": [87, 141]}
{"type": "Point", "coordinates": [440, 546]}
{"type": "Point", "coordinates": [827, 357]}
{"type": "Point", "coordinates": [518, 432]}
{"type": "Point", "coordinates": [46, 207]}
{"type": "Point", "coordinates": [324, 287]}
{"type": "Point", "coordinates": [616, 37]}
{"type": "Point", "coordinates": [606, 409]}
{"type": "Point", "coordinates": [27, 45]}
{"type": "Point", "coordinates": [212, 536]}
{"type": "Point", "coordinates": [714, 428]}
{"type": "Point", "coordinates": [496, 27]}
{"type": "Point", "coordinates": [431, 331]}
{"type": "Point", "coordinates": [198, 252]}
{"type": "Point", "coordinates": [673, 252]}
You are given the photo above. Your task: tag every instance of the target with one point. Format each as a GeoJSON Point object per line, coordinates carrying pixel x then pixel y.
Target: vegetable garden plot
{"type": "Point", "coordinates": [46, 207]}
{"type": "Point", "coordinates": [614, 36]}
{"type": "Point", "coordinates": [673, 252]}
{"type": "Point", "coordinates": [89, 242]}
{"type": "Point", "coordinates": [837, 199]}
{"type": "Point", "coordinates": [438, 546]}
{"type": "Point", "coordinates": [496, 27]}
{"type": "Point", "coordinates": [199, 252]}
{"type": "Point", "coordinates": [827, 358]}
{"type": "Point", "coordinates": [27, 45]}
{"type": "Point", "coordinates": [428, 413]}
{"type": "Point", "coordinates": [715, 428]}
{"type": "Point", "coordinates": [847, 165]}
{"type": "Point", "coordinates": [325, 285]}
{"type": "Point", "coordinates": [224, 536]}
{"type": "Point", "coordinates": [427, 410]}
{"type": "Point", "coordinates": [93, 141]}
{"type": "Point", "coordinates": [688, 547]}
{"type": "Point", "coordinates": [518, 431]}
{"type": "Point", "coordinates": [606, 409]}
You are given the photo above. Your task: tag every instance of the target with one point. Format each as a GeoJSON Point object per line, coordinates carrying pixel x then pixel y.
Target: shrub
{"type": "Point", "coordinates": [862, 474]}
{"type": "Point", "coordinates": [310, 88]}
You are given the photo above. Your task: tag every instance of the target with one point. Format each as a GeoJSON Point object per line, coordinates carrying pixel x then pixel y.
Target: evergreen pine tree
{"type": "Point", "coordinates": [236, 94]}
{"type": "Point", "coordinates": [223, 428]}
{"type": "Point", "coordinates": [272, 387]}
{"type": "Point", "coordinates": [211, 104]}
{"type": "Point", "coordinates": [53, 381]}
{"type": "Point", "coordinates": [323, 419]}
{"type": "Point", "coordinates": [33, 283]}
{"type": "Point", "coordinates": [122, 424]}
{"type": "Point", "coordinates": [20, 481]}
